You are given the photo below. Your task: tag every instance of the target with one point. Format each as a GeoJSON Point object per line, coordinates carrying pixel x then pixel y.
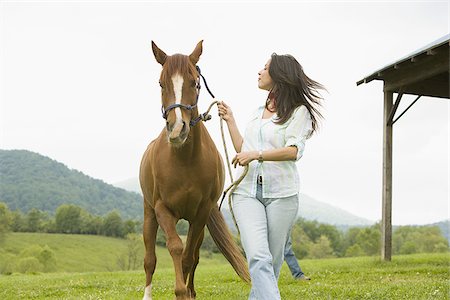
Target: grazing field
{"type": "Point", "coordinates": [73, 253]}
{"type": "Point", "coordinates": [87, 253]}
{"type": "Point", "coordinates": [418, 276]}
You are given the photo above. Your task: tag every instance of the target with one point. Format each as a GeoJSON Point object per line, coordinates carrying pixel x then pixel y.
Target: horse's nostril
{"type": "Point", "coordinates": [167, 126]}
{"type": "Point", "coordinates": [184, 126]}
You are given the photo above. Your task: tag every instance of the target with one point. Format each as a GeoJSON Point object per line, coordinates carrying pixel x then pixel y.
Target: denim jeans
{"type": "Point", "coordinates": [264, 225]}
{"type": "Point", "coordinates": [291, 260]}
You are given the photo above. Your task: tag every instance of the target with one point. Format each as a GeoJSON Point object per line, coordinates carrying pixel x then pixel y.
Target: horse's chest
{"type": "Point", "coordinates": [200, 169]}
{"type": "Point", "coordinates": [188, 179]}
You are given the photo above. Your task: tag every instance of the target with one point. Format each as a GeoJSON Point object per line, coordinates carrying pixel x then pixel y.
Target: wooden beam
{"type": "Point", "coordinates": [418, 97]}
{"type": "Point", "coordinates": [394, 109]}
{"type": "Point", "coordinates": [437, 86]}
{"type": "Point", "coordinates": [412, 73]}
{"type": "Point", "coordinates": [386, 220]}
{"type": "Point", "coordinates": [430, 92]}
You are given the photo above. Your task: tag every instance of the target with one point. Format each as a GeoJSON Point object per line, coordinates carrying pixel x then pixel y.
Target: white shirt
{"type": "Point", "coordinates": [280, 178]}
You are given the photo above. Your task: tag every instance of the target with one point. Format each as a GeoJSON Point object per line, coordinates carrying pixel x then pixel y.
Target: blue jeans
{"type": "Point", "coordinates": [291, 260]}
{"type": "Point", "coordinates": [264, 225]}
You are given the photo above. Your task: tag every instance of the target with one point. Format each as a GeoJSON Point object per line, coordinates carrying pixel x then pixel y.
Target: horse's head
{"type": "Point", "coordinates": [179, 91]}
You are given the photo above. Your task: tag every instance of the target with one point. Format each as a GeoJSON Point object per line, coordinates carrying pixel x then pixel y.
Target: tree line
{"type": "Point", "coordinates": [314, 240]}
{"type": "Point", "coordinates": [310, 239]}
{"type": "Point", "coordinates": [317, 240]}
{"type": "Point", "coordinates": [68, 218]}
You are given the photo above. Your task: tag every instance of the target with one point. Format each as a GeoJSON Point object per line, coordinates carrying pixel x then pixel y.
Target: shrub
{"type": "Point", "coordinates": [354, 250]}
{"type": "Point", "coordinates": [29, 265]}
{"type": "Point", "coordinates": [408, 247]}
{"type": "Point", "coordinates": [47, 258]}
{"type": "Point", "coordinates": [7, 263]}
{"type": "Point", "coordinates": [31, 251]}
{"type": "Point", "coordinates": [321, 249]}
{"type": "Point", "coordinates": [44, 255]}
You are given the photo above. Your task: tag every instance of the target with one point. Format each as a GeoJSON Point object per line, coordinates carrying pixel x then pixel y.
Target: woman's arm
{"type": "Point", "coordinates": [226, 114]}
{"type": "Point", "coordinates": [280, 154]}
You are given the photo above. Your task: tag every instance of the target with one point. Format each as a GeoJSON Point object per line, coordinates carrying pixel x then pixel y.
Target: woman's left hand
{"type": "Point", "coordinates": [244, 158]}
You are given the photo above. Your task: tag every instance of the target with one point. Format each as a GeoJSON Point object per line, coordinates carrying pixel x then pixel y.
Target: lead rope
{"type": "Point", "coordinates": [205, 116]}
{"type": "Point", "coordinates": [233, 187]}
{"type": "Point", "coordinates": [234, 184]}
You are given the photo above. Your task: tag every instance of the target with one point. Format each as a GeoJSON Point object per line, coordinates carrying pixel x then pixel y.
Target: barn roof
{"type": "Point", "coordinates": [424, 72]}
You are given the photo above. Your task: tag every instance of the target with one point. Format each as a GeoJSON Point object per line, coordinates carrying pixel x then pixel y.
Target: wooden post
{"type": "Point", "coordinates": [386, 221]}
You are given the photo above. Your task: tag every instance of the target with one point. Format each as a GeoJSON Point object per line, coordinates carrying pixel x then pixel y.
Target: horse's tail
{"type": "Point", "coordinates": [224, 240]}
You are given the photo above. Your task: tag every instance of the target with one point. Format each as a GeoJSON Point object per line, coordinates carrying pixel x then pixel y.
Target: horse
{"type": "Point", "coordinates": [182, 177]}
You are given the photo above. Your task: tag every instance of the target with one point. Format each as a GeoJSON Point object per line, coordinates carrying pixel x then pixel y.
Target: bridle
{"type": "Point", "coordinates": [201, 117]}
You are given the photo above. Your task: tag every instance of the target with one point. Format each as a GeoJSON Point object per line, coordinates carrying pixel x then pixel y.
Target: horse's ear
{"type": "Point", "coordinates": [159, 54]}
{"type": "Point", "coordinates": [195, 55]}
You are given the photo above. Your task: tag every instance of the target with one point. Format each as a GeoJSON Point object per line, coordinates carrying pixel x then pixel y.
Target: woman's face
{"type": "Point", "coordinates": [264, 80]}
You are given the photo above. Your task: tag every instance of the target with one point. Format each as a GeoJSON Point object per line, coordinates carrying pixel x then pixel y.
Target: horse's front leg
{"type": "Point", "coordinates": [149, 232]}
{"type": "Point", "coordinates": [175, 246]}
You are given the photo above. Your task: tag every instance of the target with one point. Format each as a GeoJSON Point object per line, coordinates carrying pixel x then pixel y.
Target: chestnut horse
{"type": "Point", "coordinates": [182, 177]}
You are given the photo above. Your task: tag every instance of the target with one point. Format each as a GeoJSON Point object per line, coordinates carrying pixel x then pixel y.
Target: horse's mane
{"type": "Point", "coordinates": [177, 63]}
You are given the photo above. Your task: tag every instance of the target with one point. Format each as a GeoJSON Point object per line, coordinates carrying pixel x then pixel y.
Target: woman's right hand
{"type": "Point", "coordinates": [225, 111]}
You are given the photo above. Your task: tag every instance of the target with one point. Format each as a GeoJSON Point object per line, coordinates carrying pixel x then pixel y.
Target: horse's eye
{"type": "Point", "coordinates": [161, 85]}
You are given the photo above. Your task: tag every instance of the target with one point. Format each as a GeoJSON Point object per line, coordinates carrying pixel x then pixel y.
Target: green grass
{"type": "Point", "coordinates": [73, 253]}
{"type": "Point", "coordinates": [86, 253]}
{"type": "Point", "coordinates": [418, 276]}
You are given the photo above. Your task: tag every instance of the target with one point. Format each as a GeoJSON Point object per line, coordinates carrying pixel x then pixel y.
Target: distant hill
{"type": "Point", "coordinates": [131, 184]}
{"type": "Point", "coordinates": [310, 209]}
{"type": "Point", "coordinates": [445, 228]}
{"type": "Point", "coordinates": [29, 180]}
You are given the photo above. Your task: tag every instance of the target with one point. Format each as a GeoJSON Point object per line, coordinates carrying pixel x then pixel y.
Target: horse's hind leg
{"type": "Point", "coordinates": [149, 231]}
{"type": "Point", "coordinates": [175, 246]}
{"type": "Point", "coordinates": [193, 243]}
{"type": "Point", "coordinates": [190, 264]}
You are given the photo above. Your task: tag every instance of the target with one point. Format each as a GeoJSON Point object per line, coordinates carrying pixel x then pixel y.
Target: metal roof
{"type": "Point", "coordinates": [411, 57]}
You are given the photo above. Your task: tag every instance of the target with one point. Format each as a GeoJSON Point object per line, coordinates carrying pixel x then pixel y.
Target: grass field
{"type": "Point", "coordinates": [73, 253]}
{"type": "Point", "coordinates": [419, 276]}
{"type": "Point", "coordinates": [85, 253]}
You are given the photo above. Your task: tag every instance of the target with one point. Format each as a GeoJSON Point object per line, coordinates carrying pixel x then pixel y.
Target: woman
{"type": "Point", "coordinates": [266, 201]}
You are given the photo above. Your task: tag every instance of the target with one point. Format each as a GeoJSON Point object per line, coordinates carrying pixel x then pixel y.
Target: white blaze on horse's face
{"type": "Point", "coordinates": [177, 81]}
{"type": "Point", "coordinates": [175, 136]}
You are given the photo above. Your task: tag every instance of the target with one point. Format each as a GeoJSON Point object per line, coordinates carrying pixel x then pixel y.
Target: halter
{"type": "Point", "coordinates": [201, 117]}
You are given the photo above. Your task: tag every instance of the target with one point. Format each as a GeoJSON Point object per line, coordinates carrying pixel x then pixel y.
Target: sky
{"type": "Point", "coordinates": [79, 84]}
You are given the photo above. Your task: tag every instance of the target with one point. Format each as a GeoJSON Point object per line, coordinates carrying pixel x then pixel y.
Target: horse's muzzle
{"type": "Point", "coordinates": [178, 135]}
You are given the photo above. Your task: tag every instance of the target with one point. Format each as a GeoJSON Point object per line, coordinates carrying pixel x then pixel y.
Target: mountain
{"type": "Point", "coordinates": [309, 209]}
{"type": "Point", "coordinates": [131, 184]}
{"type": "Point", "coordinates": [29, 180]}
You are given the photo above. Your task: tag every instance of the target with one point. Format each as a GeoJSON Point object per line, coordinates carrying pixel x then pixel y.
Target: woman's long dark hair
{"type": "Point", "coordinates": [292, 88]}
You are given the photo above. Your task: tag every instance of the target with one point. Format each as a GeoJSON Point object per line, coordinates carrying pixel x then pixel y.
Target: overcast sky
{"type": "Point", "coordinates": [79, 84]}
